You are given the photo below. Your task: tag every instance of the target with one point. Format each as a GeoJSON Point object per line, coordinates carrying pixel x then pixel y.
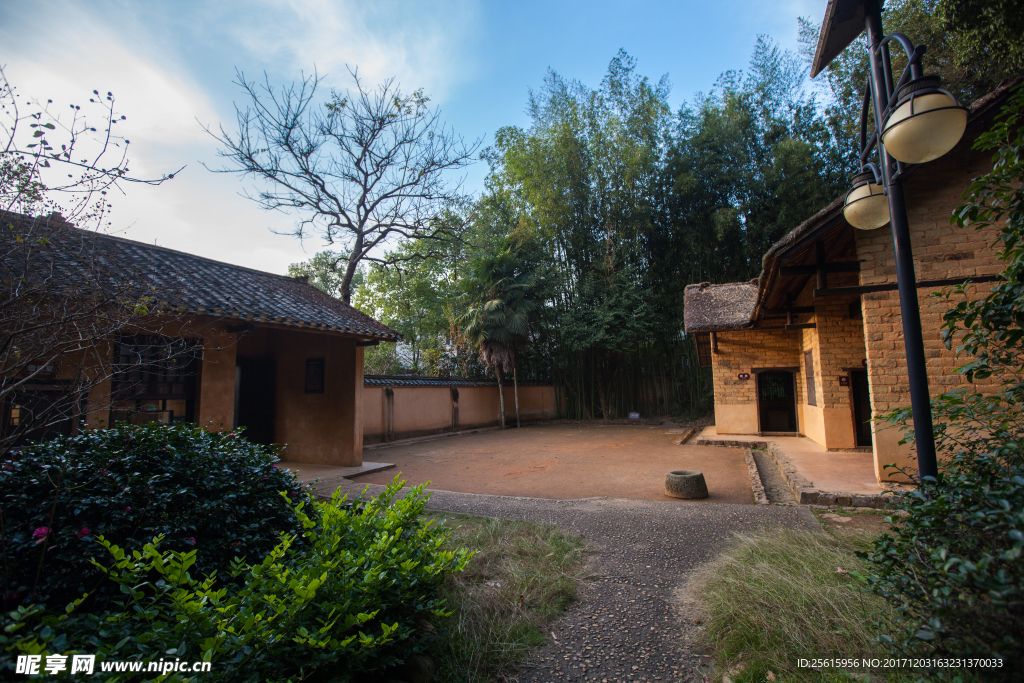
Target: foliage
{"type": "Point", "coordinates": [215, 493]}
{"type": "Point", "coordinates": [418, 296]}
{"type": "Point", "coordinates": [523, 575]}
{"type": "Point", "coordinates": [356, 595]}
{"type": "Point", "coordinates": [365, 170]}
{"type": "Point", "coordinates": [953, 566]}
{"type": "Point", "coordinates": [498, 295]}
{"type": "Point", "coordinates": [989, 33]}
{"type": "Point", "coordinates": [971, 44]}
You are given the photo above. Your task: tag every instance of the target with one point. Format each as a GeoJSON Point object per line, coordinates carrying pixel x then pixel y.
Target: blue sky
{"type": "Point", "coordinates": [171, 64]}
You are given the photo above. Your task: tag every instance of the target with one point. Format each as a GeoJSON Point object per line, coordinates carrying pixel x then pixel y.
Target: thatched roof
{"type": "Point", "coordinates": [714, 308]}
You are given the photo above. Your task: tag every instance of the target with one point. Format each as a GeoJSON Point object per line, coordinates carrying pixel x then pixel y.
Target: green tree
{"type": "Point", "coordinates": [498, 294]}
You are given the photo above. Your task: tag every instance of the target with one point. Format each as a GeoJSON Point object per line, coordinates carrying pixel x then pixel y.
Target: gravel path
{"type": "Point", "coordinates": [775, 486]}
{"type": "Point", "coordinates": [629, 624]}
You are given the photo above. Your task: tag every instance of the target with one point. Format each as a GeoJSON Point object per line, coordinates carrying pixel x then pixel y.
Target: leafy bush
{"type": "Point", "coordinates": [214, 493]}
{"type": "Point", "coordinates": [358, 595]}
{"type": "Point", "coordinates": [953, 566]}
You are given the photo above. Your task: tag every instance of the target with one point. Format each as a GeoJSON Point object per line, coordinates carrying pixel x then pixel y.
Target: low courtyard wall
{"type": "Point", "coordinates": [405, 407]}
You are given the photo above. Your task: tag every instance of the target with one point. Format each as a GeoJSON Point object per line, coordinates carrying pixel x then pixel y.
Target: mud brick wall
{"type": "Point", "coordinates": [741, 351]}
{"type": "Point", "coordinates": [941, 250]}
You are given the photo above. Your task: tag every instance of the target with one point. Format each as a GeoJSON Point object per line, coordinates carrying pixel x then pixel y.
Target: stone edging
{"type": "Point", "coordinates": [725, 443]}
{"type": "Point", "coordinates": [805, 493]}
{"type": "Point", "coordinates": [687, 435]}
{"type": "Point", "coordinates": [756, 485]}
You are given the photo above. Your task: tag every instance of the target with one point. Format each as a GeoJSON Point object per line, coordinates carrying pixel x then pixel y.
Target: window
{"type": "Point", "coordinates": [314, 375]}
{"type": "Point", "coordinates": [154, 379]}
{"type": "Point", "coordinates": [703, 350]}
{"type": "Point", "coordinates": [812, 399]}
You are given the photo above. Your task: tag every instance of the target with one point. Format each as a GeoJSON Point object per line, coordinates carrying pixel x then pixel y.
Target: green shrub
{"type": "Point", "coordinates": [952, 566]}
{"type": "Point", "coordinates": [357, 596]}
{"type": "Point", "coordinates": [217, 494]}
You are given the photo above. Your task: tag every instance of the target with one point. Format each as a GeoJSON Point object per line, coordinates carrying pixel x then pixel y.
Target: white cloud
{"type": "Point", "coordinates": [163, 62]}
{"type": "Point", "coordinates": [424, 45]}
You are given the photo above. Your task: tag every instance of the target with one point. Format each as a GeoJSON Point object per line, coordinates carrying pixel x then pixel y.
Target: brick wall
{"type": "Point", "coordinates": [941, 250]}
{"type": "Point", "coordinates": [741, 351]}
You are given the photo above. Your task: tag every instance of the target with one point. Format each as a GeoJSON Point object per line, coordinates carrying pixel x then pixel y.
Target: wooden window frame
{"type": "Point", "coordinates": [316, 375]}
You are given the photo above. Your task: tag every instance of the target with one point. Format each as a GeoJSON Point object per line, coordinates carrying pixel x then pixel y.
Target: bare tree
{"type": "Point", "coordinates": [64, 294]}
{"type": "Point", "coordinates": [364, 169]}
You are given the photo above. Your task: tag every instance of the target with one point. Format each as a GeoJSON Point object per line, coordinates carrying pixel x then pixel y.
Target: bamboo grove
{"type": "Point", "coordinates": [612, 202]}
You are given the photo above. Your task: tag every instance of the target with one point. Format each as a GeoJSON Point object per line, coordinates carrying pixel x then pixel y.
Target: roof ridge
{"type": "Point", "coordinates": [156, 247]}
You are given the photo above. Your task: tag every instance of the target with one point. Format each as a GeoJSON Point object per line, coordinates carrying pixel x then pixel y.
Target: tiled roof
{"type": "Point", "coordinates": [193, 284]}
{"type": "Point", "coordinates": [417, 381]}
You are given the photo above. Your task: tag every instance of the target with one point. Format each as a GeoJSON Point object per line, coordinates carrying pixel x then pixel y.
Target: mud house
{"type": "Point", "coordinates": [227, 347]}
{"type": "Point", "coordinates": [224, 346]}
{"type": "Point", "coordinates": [814, 346]}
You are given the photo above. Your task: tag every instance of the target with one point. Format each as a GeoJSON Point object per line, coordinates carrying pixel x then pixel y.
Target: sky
{"type": "Point", "coordinates": [171, 67]}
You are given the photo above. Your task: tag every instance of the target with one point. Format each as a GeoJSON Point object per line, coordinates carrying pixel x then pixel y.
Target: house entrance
{"type": "Point", "coordinates": [860, 396]}
{"type": "Point", "coordinates": [254, 399]}
{"type": "Point", "coordinates": [776, 401]}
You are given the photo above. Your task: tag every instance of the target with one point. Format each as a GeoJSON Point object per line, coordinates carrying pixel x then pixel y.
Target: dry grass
{"type": "Point", "coordinates": [523, 575]}
{"type": "Point", "coordinates": [778, 596]}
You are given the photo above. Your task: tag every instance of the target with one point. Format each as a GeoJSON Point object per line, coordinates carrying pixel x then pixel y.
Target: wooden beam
{"type": "Point", "coordinates": [835, 267]}
{"type": "Point", "coordinates": [892, 286]}
{"type": "Point", "coordinates": [783, 311]}
{"type": "Point", "coordinates": [821, 262]}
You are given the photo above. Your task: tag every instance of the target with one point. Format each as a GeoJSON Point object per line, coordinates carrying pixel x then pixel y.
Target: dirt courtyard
{"type": "Point", "coordinates": [565, 462]}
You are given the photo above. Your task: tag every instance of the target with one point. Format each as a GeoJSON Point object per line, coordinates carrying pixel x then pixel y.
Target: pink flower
{"type": "Point", "coordinates": [191, 540]}
{"type": "Point", "coordinates": [84, 532]}
{"type": "Point", "coordinates": [128, 509]}
{"type": "Point", "coordinates": [41, 533]}
{"type": "Point", "coordinates": [274, 466]}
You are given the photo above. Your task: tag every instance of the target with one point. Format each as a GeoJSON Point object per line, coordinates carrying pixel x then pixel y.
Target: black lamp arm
{"type": "Point", "coordinates": [866, 143]}
{"type": "Point", "coordinates": [911, 72]}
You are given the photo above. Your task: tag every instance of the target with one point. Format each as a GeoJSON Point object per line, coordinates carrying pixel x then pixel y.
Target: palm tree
{"type": "Point", "coordinates": [497, 291]}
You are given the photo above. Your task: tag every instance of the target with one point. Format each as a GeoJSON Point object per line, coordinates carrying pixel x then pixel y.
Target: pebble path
{"type": "Point", "coordinates": [629, 624]}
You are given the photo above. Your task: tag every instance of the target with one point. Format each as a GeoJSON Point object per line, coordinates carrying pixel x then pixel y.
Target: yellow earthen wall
{"type": "Point", "coordinates": [320, 428]}
{"type": "Point", "coordinates": [738, 352]}
{"type": "Point", "coordinates": [420, 411]}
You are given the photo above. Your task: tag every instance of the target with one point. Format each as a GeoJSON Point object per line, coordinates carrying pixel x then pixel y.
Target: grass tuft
{"type": "Point", "coordinates": [777, 596]}
{"type": "Point", "coordinates": [523, 575]}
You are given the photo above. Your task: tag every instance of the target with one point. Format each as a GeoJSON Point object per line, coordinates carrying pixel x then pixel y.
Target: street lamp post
{"type": "Point", "coordinates": [914, 122]}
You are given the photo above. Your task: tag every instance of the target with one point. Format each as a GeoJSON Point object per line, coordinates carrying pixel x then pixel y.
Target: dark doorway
{"type": "Point", "coordinates": [860, 395]}
{"type": "Point", "coordinates": [255, 399]}
{"type": "Point", "coordinates": [776, 401]}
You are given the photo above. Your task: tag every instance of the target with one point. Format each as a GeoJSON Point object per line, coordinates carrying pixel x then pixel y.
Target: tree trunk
{"type": "Point", "coordinates": [501, 395]}
{"type": "Point", "coordinates": [515, 382]}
